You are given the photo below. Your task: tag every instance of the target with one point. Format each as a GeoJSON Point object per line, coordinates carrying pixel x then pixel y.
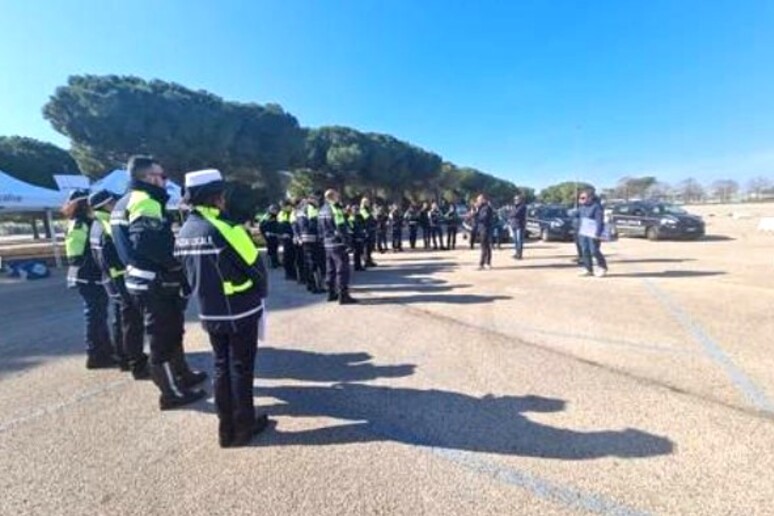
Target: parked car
{"type": "Point", "coordinates": [550, 222]}
{"type": "Point", "coordinates": [655, 221]}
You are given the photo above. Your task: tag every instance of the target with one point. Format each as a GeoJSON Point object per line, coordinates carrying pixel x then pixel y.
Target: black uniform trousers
{"type": "Point", "coordinates": [315, 265]}
{"type": "Point", "coordinates": [129, 327]}
{"type": "Point", "coordinates": [451, 237]}
{"type": "Point", "coordinates": [426, 236]}
{"type": "Point", "coordinates": [437, 235]}
{"type": "Point", "coordinates": [272, 248]}
{"type": "Point", "coordinates": [473, 237]}
{"type": "Point", "coordinates": [233, 377]}
{"type": "Point", "coordinates": [486, 248]}
{"type": "Point", "coordinates": [413, 235]}
{"type": "Point", "coordinates": [337, 269]}
{"type": "Point", "coordinates": [163, 310]}
{"type": "Point", "coordinates": [397, 238]}
{"type": "Point", "coordinates": [369, 248]}
{"type": "Point", "coordinates": [358, 247]}
{"type": "Point", "coordinates": [300, 265]}
{"type": "Point", "coordinates": [289, 258]}
{"type": "Point", "coordinates": [95, 313]}
{"type": "Point", "coordinates": [381, 239]}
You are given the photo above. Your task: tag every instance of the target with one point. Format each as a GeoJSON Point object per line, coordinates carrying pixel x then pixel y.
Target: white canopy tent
{"type": "Point", "coordinates": [117, 182]}
{"type": "Point", "coordinates": [17, 196]}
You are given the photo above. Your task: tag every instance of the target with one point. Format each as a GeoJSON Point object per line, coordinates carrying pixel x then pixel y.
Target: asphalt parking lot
{"type": "Point", "coordinates": [521, 390]}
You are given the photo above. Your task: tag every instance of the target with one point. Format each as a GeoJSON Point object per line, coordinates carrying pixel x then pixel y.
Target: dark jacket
{"type": "Point", "coordinates": [412, 217]}
{"type": "Point", "coordinates": [485, 219]}
{"type": "Point", "coordinates": [357, 227]}
{"type": "Point", "coordinates": [82, 270]}
{"type": "Point", "coordinates": [225, 270]}
{"type": "Point", "coordinates": [369, 222]}
{"type": "Point", "coordinates": [332, 227]}
{"type": "Point", "coordinates": [284, 225]}
{"type": "Point", "coordinates": [396, 219]}
{"type": "Point", "coordinates": [452, 218]}
{"type": "Point", "coordinates": [306, 219]}
{"type": "Point", "coordinates": [435, 218]}
{"type": "Point", "coordinates": [268, 226]}
{"type": "Point", "coordinates": [105, 255]}
{"type": "Point", "coordinates": [595, 212]}
{"type": "Point", "coordinates": [424, 218]}
{"type": "Point", "coordinates": [142, 233]}
{"type": "Point", "coordinates": [517, 215]}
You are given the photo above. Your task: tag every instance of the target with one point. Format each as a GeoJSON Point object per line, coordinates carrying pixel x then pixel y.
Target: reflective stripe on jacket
{"type": "Point", "coordinates": [224, 269]}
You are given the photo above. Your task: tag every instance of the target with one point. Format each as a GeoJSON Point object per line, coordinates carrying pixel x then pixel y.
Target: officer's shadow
{"type": "Point", "coordinates": [431, 418]}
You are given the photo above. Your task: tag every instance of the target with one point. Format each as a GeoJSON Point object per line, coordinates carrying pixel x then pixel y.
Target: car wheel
{"type": "Point", "coordinates": [652, 233]}
{"type": "Point", "coordinates": [544, 236]}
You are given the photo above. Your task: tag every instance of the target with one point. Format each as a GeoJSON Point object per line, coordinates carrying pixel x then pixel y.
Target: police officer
{"type": "Point", "coordinates": [412, 220]}
{"type": "Point", "coordinates": [517, 220]}
{"type": "Point", "coordinates": [298, 251]}
{"type": "Point", "coordinates": [285, 231]}
{"type": "Point", "coordinates": [452, 223]}
{"type": "Point", "coordinates": [268, 227]}
{"type": "Point", "coordinates": [84, 274]}
{"type": "Point", "coordinates": [396, 220]}
{"type": "Point", "coordinates": [382, 219]}
{"type": "Point", "coordinates": [435, 219]}
{"type": "Point", "coordinates": [484, 223]}
{"type": "Point", "coordinates": [230, 281]}
{"type": "Point", "coordinates": [369, 223]}
{"type": "Point", "coordinates": [128, 326]}
{"type": "Point", "coordinates": [358, 232]}
{"type": "Point", "coordinates": [307, 223]}
{"type": "Point", "coordinates": [142, 234]}
{"type": "Point", "coordinates": [424, 223]}
{"type": "Point", "coordinates": [332, 228]}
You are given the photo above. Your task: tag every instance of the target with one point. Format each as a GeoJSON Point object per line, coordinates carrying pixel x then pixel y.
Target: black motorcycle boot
{"type": "Point", "coordinates": [346, 299]}
{"type": "Point", "coordinates": [185, 375]}
{"type": "Point", "coordinates": [173, 394]}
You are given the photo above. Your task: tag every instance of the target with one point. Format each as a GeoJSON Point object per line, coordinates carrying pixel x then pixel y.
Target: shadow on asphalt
{"type": "Point", "coordinates": [431, 418]}
{"type": "Point", "coordinates": [667, 274]}
{"type": "Point", "coordinates": [454, 299]}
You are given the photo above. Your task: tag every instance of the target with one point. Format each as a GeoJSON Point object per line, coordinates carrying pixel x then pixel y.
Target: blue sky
{"type": "Point", "coordinates": [534, 91]}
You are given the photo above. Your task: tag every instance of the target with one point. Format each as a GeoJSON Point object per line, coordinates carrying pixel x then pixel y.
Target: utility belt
{"type": "Point", "coordinates": [309, 239]}
{"type": "Point", "coordinates": [139, 280]}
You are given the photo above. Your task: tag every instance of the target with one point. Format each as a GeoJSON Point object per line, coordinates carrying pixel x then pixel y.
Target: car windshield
{"type": "Point", "coordinates": [668, 209]}
{"type": "Point", "coordinates": [555, 213]}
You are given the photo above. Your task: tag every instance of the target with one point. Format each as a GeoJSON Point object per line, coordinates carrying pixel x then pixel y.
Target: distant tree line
{"type": "Point", "coordinates": [108, 118]}
{"type": "Point", "coordinates": [649, 188]}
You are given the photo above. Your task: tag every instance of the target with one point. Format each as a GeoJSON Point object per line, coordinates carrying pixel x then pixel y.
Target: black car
{"type": "Point", "coordinates": [655, 220]}
{"type": "Point", "coordinates": [550, 222]}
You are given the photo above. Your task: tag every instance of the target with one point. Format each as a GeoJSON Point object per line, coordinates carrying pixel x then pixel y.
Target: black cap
{"type": "Point", "coordinates": [78, 195]}
{"type": "Point", "coordinates": [101, 198]}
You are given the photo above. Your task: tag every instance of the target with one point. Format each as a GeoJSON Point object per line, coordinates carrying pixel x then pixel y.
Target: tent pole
{"type": "Point", "coordinates": [57, 256]}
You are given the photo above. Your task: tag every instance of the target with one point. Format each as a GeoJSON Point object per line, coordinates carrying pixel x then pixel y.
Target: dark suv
{"type": "Point", "coordinates": [655, 221]}
{"type": "Point", "coordinates": [550, 222]}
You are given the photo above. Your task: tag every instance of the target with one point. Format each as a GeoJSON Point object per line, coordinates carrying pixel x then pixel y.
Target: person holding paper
{"type": "Point", "coordinates": [592, 227]}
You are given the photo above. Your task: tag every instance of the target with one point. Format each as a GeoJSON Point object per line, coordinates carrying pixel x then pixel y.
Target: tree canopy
{"type": "Point", "coordinates": [34, 161]}
{"type": "Point", "coordinates": [563, 193]}
{"type": "Point", "coordinates": [108, 118]}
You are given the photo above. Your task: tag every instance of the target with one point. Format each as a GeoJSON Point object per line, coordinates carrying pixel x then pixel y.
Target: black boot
{"type": "Point", "coordinates": [184, 374]}
{"type": "Point", "coordinates": [100, 361]}
{"type": "Point", "coordinates": [243, 437]}
{"type": "Point", "coordinates": [346, 299]}
{"type": "Point", "coordinates": [173, 394]}
{"type": "Point", "coordinates": [332, 296]}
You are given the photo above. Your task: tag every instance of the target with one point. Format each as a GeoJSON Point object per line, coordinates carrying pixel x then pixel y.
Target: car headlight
{"type": "Point", "coordinates": [556, 224]}
{"type": "Point", "coordinates": [668, 222]}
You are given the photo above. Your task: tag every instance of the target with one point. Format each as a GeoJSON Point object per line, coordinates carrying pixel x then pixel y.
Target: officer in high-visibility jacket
{"type": "Point", "coordinates": [306, 218]}
{"type": "Point", "coordinates": [369, 221]}
{"type": "Point", "coordinates": [332, 228]}
{"type": "Point", "coordinates": [84, 274]}
{"type": "Point", "coordinates": [270, 231]}
{"type": "Point", "coordinates": [142, 234]}
{"type": "Point", "coordinates": [285, 231]}
{"type": "Point", "coordinates": [229, 279]}
{"type": "Point", "coordinates": [128, 325]}
{"type": "Point", "coordinates": [298, 250]}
